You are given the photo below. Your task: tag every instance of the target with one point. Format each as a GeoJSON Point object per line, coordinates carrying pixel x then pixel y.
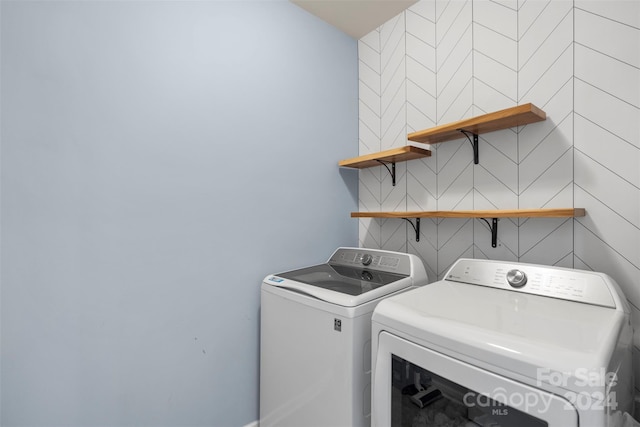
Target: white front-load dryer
{"type": "Point", "coordinates": [315, 348]}
{"type": "Point", "coordinates": [503, 344]}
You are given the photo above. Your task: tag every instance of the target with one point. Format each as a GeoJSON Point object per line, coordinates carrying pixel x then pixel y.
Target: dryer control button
{"type": "Point", "coordinates": [366, 259]}
{"type": "Point", "coordinates": [516, 278]}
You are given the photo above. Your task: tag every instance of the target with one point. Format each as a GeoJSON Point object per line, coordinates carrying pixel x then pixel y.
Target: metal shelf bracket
{"type": "Point", "coordinates": [416, 227]}
{"type": "Point", "coordinates": [392, 171]}
{"type": "Point", "coordinates": [494, 231]}
{"type": "Point", "coordinates": [474, 143]}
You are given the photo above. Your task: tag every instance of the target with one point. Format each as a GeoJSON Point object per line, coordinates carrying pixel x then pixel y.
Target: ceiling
{"type": "Point", "coordinates": [355, 17]}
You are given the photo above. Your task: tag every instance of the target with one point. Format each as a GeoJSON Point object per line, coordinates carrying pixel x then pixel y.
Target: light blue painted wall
{"type": "Point", "coordinates": [158, 160]}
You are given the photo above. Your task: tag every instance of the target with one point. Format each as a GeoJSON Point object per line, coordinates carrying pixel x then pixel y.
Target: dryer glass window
{"type": "Point", "coordinates": [420, 398]}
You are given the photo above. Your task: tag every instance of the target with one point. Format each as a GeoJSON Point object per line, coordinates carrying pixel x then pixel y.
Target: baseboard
{"type": "Point", "coordinates": [253, 424]}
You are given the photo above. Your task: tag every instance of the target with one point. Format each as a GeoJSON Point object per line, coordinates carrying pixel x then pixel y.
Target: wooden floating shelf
{"type": "Point", "coordinates": [500, 213]}
{"type": "Point", "coordinates": [383, 158]}
{"type": "Point", "coordinates": [503, 119]}
{"type": "Point", "coordinates": [483, 214]}
{"type": "Point", "coordinates": [408, 152]}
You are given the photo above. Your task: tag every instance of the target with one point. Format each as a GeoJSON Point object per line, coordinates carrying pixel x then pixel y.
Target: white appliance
{"type": "Point", "coordinates": [503, 344]}
{"type": "Point", "coordinates": [315, 355]}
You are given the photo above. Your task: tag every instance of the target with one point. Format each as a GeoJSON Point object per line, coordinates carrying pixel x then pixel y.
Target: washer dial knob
{"type": "Point", "coordinates": [516, 278]}
{"type": "Point", "coordinates": [366, 259]}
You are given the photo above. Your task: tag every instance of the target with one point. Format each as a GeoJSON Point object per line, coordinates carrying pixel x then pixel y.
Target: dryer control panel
{"type": "Point", "coordinates": [563, 283]}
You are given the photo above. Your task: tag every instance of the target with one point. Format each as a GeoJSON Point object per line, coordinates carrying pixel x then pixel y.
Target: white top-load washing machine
{"type": "Point", "coordinates": [315, 351]}
{"type": "Point", "coordinates": [503, 344]}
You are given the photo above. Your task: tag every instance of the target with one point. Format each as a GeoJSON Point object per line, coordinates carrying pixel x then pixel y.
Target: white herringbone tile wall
{"type": "Point", "coordinates": [607, 144]}
{"type": "Point", "coordinates": [444, 60]}
{"type": "Point", "coordinates": [441, 61]}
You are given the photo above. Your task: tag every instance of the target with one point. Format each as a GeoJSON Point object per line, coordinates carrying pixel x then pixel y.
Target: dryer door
{"type": "Point", "coordinates": [416, 386]}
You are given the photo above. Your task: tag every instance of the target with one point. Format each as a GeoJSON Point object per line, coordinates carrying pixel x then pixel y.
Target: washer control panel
{"type": "Point", "coordinates": [563, 283]}
{"type": "Point", "coordinates": [373, 259]}
{"type": "Point", "coordinates": [366, 259]}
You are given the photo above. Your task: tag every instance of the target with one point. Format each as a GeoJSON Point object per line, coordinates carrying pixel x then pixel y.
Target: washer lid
{"type": "Point", "coordinates": [338, 278]}
{"type": "Point", "coordinates": [342, 285]}
{"type": "Point", "coordinates": [513, 331]}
